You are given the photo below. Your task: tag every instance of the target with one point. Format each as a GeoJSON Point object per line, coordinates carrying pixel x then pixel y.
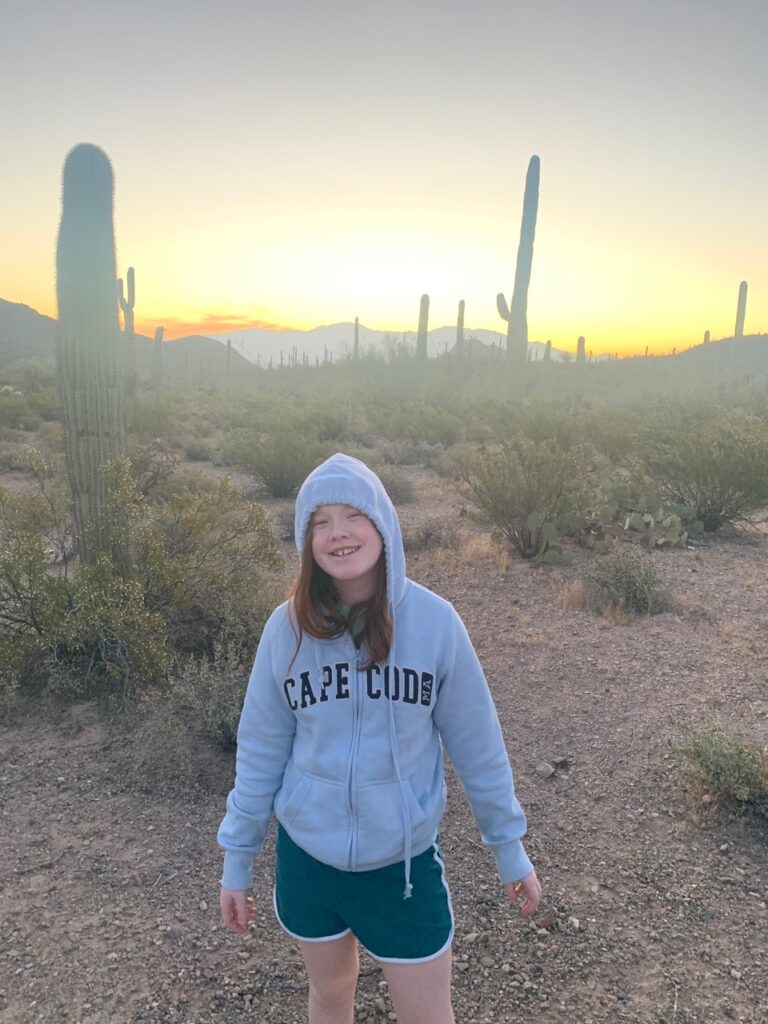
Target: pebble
{"type": "Point", "coordinates": [487, 961]}
{"type": "Point", "coordinates": [574, 923]}
{"type": "Point", "coordinates": [203, 905]}
{"type": "Point", "coordinates": [544, 770]}
{"type": "Point", "coordinates": [462, 966]}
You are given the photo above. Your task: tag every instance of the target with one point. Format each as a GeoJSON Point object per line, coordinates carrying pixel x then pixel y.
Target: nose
{"type": "Point", "coordinates": [339, 529]}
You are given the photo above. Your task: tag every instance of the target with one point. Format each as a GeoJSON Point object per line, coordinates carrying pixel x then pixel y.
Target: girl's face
{"type": "Point", "coordinates": [347, 546]}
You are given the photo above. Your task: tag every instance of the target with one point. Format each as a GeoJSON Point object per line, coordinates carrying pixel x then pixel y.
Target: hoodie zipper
{"type": "Point", "coordinates": [357, 704]}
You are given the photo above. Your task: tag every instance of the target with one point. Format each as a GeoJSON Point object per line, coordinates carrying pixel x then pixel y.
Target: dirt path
{"type": "Point", "coordinates": [108, 882]}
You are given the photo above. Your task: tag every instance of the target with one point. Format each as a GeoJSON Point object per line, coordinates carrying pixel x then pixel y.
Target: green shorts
{"type": "Point", "coordinates": [315, 902]}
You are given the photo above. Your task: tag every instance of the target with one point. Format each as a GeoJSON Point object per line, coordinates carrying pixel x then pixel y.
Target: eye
{"type": "Point", "coordinates": [354, 515]}
{"type": "Point", "coordinates": [318, 522]}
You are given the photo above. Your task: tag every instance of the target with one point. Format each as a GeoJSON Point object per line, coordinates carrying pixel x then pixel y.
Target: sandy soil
{"type": "Point", "coordinates": [109, 874]}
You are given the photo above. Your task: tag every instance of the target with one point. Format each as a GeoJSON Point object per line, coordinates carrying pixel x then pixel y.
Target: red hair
{"type": "Point", "coordinates": [314, 604]}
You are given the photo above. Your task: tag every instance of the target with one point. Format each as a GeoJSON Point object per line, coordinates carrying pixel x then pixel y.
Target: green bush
{"type": "Point", "coordinates": [718, 467]}
{"type": "Point", "coordinates": [214, 688]}
{"type": "Point", "coordinates": [628, 582]}
{"type": "Point", "coordinates": [397, 485]}
{"type": "Point", "coordinates": [280, 461]}
{"type": "Point", "coordinates": [730, 772]}
{"type": "Point", "coordinates": [192, 565]}
{"type": "Point", "coordinates": [528, 490]}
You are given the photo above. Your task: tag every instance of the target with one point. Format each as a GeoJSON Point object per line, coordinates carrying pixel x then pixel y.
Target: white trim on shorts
{"type": "Point", "coordinates": [445, 946]}
{"type": "Point", "coordinates": [301, 938]}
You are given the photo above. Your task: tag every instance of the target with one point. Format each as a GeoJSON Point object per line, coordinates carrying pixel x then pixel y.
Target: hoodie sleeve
{"type": "Point", "coordinates": [466, 718]}
{"type": "Point", "coordinates": [264, 743]}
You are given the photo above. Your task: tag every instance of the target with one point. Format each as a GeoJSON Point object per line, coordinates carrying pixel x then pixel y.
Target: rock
{"type": "Point", "coordinates": [544, 770]}
{"type": "Point", "coordinates": [203, 905]}
{"type": "Point", "coordinates": [487, 961]}
{"type": "Point", "coordinates": [461, 966]}
{"type": "Point", "coordinates": [574, 924]}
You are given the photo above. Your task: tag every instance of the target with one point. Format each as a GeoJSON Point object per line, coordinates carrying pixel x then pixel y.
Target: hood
{"type": "Point", "coordinates": [344, 480]}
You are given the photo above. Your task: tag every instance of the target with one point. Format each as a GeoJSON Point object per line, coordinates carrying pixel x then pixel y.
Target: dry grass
{"type": "Point", "coordinates": [477, 551]}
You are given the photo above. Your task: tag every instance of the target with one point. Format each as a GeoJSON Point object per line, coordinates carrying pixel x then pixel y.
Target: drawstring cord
{"type": "Point", "coordinates": [395, 748]}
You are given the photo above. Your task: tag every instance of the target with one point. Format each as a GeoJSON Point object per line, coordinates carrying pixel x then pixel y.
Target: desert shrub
{"type": "Point", "coordinates": [153, 416]}
{"type": "Point", "coordinates": [198, 451]}
{"type": "Point", "coordinates": [280, 461]}
{"type": "Point", "coordinates": [434, 533]}
{"type": "Point", "coordinates": [528, 490]}
{"type": "Point", "coordinates": [11, 456]}
{"type": "Point", "coordinates": [412, 453]}
{"type": "Point", "coordinates": [432, 425]}
{"type": "Point", "coordinates": [727, 770]}
{"type": "Point", "coordinates": [397, 485]}
{"type": "Point", "coordinates": [214, 688]}
{"type": "Point", "coordinates": [718, 467]}
{"type": "Point", "coordinates": [13, 408]}
{"type": "Point", "coordinates": [190, 566]}
{"type": "Point", "coordinates": [627, 582]}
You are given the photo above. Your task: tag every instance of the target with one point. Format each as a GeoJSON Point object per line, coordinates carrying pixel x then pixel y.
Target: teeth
{"type": "Point", "coordinates": [344, 551]}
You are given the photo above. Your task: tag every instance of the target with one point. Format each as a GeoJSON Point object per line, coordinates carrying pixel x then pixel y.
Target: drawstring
{"type": "Point", "coordinates": [396, 759]}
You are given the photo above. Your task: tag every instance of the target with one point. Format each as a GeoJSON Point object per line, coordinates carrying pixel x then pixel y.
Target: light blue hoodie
{"type": "Point", "coordinates": [351, 760]}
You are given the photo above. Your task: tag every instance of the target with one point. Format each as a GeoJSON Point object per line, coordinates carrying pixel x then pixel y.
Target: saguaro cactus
{"type": "Point", "coordinates": [421, 337]}
{"type": "Point", "coordinates": [516, 314]}
{"type": "Point", "coordinates": [706, 337]}
{"type": "Point", "coordinates": [460, 331]}
{"type": "Point", "coordinates": [581, 351]}
{"type": "Point", "coordinates": [548, 352]}
{"type": "Point", "coordinates": [741, 310]}
{"type": "Point", "coordinates": [157, 360]}
{"type": "Point", "coordinates": [228, 374]}
{"type": "Point", "coordinates": [356, 349]}
{"type": "Point", "coordinates": [88, 347]}
{"type": "Point", "coordinates": [127, 303]}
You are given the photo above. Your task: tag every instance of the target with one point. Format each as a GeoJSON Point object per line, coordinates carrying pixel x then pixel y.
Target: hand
{"type": "Point", "coordinates": [237, 909]}
{"type": "Point", "coordinates": [526, 892]}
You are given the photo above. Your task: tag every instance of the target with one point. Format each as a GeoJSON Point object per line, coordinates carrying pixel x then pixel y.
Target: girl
{"type": "Point", "coordinates": [360, 680]}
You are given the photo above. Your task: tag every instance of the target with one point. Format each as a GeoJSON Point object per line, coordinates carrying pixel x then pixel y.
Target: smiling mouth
{"type": "Point", "coordinates": [343, 552]}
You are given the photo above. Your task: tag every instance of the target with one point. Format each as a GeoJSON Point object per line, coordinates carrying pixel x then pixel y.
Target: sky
{"type": "Point", "coordinates": [305, 162]}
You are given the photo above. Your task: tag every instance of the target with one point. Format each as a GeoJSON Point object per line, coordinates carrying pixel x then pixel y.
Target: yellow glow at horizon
{"type": "Point", "coordinates": [322, 268]}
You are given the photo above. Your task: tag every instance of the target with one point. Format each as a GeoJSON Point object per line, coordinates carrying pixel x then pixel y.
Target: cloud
{"type": "Point", "coordinates": [209, 323]}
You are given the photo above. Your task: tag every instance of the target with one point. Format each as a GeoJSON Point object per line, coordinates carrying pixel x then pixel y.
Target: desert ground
{"type": "Point", "coordinates": [654, 908]}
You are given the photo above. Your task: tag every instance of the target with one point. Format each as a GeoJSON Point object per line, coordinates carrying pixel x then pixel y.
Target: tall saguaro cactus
{"type": "Point", "coordinates": [88, 348]}
{"type": "Point", "coordinates": [356, 349]}
{"type": "Point", "coordinates": [741, 310]}
{"type": "Point", "coordinates": [516, 314]}
{"type": "Point", "coordinates": [460, 332]}
{"type": "Point", "coordinates": [127, 303]}
{"type": "Point", "coordinates": [581, 351]}
{"type": "Point", "coordinates": [421, 337]}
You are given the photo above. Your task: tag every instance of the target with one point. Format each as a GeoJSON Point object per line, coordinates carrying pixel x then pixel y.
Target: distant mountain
{"type": "Point", "coordinates": [26, 334]}
{"type": "Point", "coordinates": [259, 346]}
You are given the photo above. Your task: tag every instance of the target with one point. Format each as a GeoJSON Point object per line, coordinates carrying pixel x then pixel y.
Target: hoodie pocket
{"type": "Point", "coordinates": [315, 813]}
{"type": "Point", "coordinates": [381, 820]}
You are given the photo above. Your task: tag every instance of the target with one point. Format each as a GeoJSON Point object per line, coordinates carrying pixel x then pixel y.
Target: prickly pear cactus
{"type": "Point", "coordinates": [88, 348]}
{"type": "Point", "coordinates": [516, 314]}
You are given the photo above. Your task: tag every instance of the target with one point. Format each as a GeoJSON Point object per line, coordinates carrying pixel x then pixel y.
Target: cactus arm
{"type": "Point", "coordinates": [501, 305]}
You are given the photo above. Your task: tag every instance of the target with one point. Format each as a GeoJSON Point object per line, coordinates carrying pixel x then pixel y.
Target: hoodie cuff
{"type": "Point", "coordinates": [512, 862]}
{"type": "Point", "coordinates": [238, 870]}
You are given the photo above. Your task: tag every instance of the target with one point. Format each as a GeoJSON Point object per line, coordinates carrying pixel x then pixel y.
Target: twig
{"type": "Point", "coordinates": [40, 867]}
{"type": "Point", "coordinates": [674, 1008]}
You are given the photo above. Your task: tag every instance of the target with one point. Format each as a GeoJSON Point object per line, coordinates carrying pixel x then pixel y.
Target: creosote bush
{"type": "Point", "coordinates": [282, 460]}
{"type": "Point", "coordinates": [193, 563]}
{"type": "Point", "coordinates": [625, 582]}
{"type": "Point", "coordinates": [718, 467]}
{"type": "Point", "coordinates": [723, 770]}
{"type": "Point", "coordinates": [528, 490]}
